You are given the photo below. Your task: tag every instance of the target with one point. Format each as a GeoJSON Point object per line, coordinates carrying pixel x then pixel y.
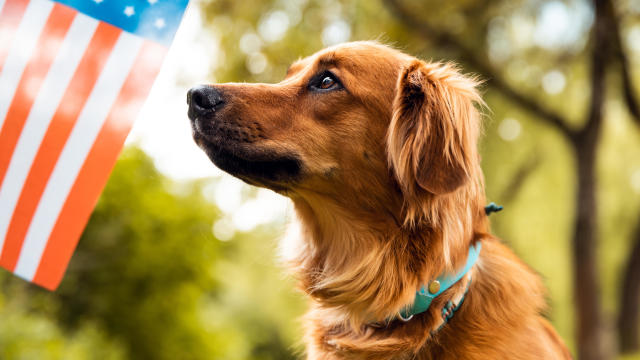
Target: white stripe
{"type": "Point", "coordinates": [43, 109]}
{"type": "Point", "coordinates": [26, 38]}
{"type": "Point", "coordinates": [75, 151]}
{"type": "Point", "coordinates": [1, 6]}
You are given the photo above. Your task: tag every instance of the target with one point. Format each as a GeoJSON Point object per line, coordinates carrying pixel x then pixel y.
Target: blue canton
{"type": "Point", "coordinates": [156, 20]}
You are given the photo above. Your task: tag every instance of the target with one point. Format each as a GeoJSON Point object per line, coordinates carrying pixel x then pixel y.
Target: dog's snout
{"type": "Point", "coordinates": [203, 100]}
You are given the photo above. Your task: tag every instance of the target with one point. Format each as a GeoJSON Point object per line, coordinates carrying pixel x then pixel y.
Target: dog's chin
{"type": "Point", "coordinates": [253, 165]}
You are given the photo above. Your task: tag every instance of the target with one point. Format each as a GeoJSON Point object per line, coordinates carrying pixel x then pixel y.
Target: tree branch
{"type": "Point", "coordinates": [625, 71]}
{"type": "Point", "coordinates": [474, 60]}
{"type": "Point", "coordinates": [627, 86]}
{"type": "Point", "coordinates": [519, 178]}
{"type": "Point", "coordinates": [600, 54]}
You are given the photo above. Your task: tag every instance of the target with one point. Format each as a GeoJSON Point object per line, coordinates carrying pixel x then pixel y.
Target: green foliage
{"type": "Point", "coordinates": [28, 335]}
{"type": "Point", "coordinates": [162, 248]}
{"type": "Point", "coordinates": [147, 282]}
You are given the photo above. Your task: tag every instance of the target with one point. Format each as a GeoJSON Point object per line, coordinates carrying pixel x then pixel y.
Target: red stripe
{"type": "Point", "coordinates": [9, 20]}
{"type": "Point", "coordinates": [36, 70]}
{"type": "Point", "coordinates": [53, 142]}
{"type": "Point", "coordinates": [97, 166]}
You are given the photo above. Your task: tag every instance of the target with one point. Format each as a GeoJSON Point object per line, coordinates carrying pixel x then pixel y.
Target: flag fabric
{"type": "Point", "coordinates": [73, 76]}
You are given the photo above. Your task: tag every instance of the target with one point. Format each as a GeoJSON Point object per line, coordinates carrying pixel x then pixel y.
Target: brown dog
{"type": "Point", "coordinates": [378, 152]}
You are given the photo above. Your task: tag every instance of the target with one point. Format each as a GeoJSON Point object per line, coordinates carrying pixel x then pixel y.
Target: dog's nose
{"type": "Point", "coordinates": [203, 100]}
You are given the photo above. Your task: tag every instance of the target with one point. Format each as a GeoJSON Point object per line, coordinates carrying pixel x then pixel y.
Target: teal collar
{"type": "Point", "coordinates": [428, 292]}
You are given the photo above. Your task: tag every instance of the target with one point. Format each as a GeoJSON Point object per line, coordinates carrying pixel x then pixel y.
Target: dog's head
{"type": "Point", "coordinates": [359, 124]}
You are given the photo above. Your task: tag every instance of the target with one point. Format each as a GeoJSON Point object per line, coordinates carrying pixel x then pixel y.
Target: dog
{"type": "Point", "coordinates": [378, 152]}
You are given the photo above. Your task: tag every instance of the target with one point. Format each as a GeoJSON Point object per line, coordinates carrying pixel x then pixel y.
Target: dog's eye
{"type": "Point", "coordinates": [327, 82]}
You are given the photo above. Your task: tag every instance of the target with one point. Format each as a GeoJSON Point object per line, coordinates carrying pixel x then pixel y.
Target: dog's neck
{"type": "Point", "coordinates": [361, 267]}
{"type": "Point", "coordinates": [364, 266]}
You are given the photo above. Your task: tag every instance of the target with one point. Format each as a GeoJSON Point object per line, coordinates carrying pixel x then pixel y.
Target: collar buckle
{"type": "Point", "coordinates": [427, 293]}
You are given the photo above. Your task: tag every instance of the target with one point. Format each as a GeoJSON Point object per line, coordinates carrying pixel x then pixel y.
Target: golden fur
{"type": "Point", "coordinates": [389, 195]}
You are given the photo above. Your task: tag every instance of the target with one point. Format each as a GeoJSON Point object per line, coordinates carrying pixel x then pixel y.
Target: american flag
{"type": "Point", "coordinates": [73, 75]}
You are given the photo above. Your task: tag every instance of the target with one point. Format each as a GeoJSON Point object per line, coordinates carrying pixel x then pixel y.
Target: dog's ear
{"type": "Point", "coordinates": [431, 142]}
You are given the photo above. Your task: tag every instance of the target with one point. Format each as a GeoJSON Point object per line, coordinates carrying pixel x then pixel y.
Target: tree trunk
{"type": "Point", "coordinates": [589, 321]}
{"type": "Point", "coordinates": [629, 317]}
{"type": "Point", "coordinates": [586, 284]}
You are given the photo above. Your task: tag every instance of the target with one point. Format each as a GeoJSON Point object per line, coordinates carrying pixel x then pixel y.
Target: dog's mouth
{"type": "Point", "coordinates": [250, 162]}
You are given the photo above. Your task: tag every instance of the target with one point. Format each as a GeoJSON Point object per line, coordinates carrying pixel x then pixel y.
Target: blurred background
{"type": "Point", "coordinates": [179, 261]}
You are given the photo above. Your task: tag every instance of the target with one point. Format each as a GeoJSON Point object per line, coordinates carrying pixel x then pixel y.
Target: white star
{"type": "Point", "coordinates": [159, 23]}
{"type": "Point", "coordinates": [152, 1]}
{"type": "Point", "coordinates": [129, 10]}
